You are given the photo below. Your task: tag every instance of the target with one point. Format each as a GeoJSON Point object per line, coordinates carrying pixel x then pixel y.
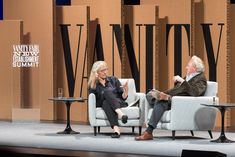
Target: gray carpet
{"type": "Point", "coordinates": [43, 135]}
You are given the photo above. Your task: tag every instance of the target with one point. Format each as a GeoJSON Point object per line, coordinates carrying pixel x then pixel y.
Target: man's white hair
{"type": "Point", "coordinates": [198, 64]}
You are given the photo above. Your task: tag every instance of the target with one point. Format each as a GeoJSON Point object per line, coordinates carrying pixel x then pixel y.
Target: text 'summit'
{"type": "Point", "coordinates": [25, 56]}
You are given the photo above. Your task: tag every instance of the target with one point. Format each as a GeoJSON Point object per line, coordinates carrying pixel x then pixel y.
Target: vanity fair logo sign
{"type": "Point", "coordinates": [25, 56]}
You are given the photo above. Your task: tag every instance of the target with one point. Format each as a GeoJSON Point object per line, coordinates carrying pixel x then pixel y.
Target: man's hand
{"type": "Point", "coordinates": [164, 96]}
{"type": "Point", "coordinates": [155, 93]}
{"type": "Point", "coordinates": [177, 78]}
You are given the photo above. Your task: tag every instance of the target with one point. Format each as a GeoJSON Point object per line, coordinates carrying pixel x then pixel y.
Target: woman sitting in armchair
{"type": "Point", "coordinates": [110, 95]}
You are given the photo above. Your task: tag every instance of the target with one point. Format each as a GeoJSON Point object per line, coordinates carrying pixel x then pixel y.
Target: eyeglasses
{"type": "Point", "coordinates": [103, 70]}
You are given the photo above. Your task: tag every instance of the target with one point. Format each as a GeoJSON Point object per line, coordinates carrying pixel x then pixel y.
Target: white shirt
{"type": "Point", "coordinates": [188, 77]}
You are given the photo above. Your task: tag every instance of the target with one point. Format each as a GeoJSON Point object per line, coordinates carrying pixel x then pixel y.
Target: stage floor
{"type": "Point", "coordinates": [36, 136]}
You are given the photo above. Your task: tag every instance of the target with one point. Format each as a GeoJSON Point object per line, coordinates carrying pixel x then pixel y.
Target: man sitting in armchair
{"type": "Point", "coordinates": [194, 84]}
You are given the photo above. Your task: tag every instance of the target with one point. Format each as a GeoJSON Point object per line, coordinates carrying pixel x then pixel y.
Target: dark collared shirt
{"type": "Point", "coordinates": [113, 84]}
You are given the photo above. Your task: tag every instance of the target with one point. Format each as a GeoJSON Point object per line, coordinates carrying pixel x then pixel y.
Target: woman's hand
{"type": "Point", "coordinates": [102, 81]}
{"type": "Point", "coordinates": [125, 90]}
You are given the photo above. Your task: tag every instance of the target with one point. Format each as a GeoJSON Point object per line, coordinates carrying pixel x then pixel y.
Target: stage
{"type": "Point", "coordinates": [44, 135]}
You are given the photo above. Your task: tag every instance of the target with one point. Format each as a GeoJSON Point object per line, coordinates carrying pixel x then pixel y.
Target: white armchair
{"type": "Point", "coordinates": [187, 113]}
{"type": "Point", "coordinates": [97, 116]}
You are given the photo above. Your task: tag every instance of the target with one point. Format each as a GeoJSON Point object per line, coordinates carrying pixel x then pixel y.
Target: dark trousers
{"type": "Point", "coordinates": [159, 107]}
{"type": "Point", "coordinates": [110, 104]}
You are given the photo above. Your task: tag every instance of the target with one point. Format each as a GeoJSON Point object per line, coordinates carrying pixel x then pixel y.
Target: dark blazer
{"type": "Point", "coordinates": [112, 84]}
{"type": "Point", "coordinates": [196, 86]}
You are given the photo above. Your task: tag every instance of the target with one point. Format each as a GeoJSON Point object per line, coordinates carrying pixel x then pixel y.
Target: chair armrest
{"type": "Point", "coordinates": [92, 109]}
{"type": "Point", "coordinates": [142, 102]}
{"type": "Point", "coordinates": [185, 111]}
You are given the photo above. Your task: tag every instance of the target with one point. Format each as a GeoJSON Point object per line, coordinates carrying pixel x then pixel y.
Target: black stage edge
{"type": "Point", "coordinates": [200, 153]}
{"type": "Point", "coordinates": [41, 152]}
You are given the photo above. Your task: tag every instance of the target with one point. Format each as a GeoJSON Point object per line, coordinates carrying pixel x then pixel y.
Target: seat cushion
{"type": "Point", "coordinates": [166, 118]}
{"type": "Point", "coordinates": [131, 112]}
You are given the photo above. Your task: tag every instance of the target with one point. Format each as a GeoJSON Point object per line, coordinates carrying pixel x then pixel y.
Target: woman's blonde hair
{"type": "Point", "coordinates": [96, 67]}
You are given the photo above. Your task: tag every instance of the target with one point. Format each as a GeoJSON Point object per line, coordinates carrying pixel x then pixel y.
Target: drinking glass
{"type": "Point", "coordinates": [60, 93]}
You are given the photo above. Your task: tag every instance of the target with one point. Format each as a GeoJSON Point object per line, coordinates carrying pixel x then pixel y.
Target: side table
{"type": "Point", "coordinates": [68, 101]}
{"type": "Point", "coordinates": [222, 108]}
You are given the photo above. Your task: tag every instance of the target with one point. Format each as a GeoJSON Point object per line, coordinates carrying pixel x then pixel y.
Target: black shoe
{"type": "Point", "coordinates": [124, 119]}
{"type": "Point", "coordinates": [115, 135]}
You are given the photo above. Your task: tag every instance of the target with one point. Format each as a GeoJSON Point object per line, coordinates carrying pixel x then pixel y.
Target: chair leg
{"type": "Point", "coordinates": [192, 132]}
{"type": "Point", "coordinates": [95, 131]}
{"type": "Point", "coordinates": [133, 129]}
{"type": "Point", "coordinates": [140, 130]}
{"type": "Point", "coordinates": [173, 134]}
{"type": "Point", "coordinates": [210, 133]}
{"type": "Point", "coordinates": [98, 129]}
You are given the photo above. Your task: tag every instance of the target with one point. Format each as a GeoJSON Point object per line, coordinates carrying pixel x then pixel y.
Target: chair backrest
{"type": "Point", "coordinates": [131, 89]}
{"type": "Point", "coordinates": [212, 89]}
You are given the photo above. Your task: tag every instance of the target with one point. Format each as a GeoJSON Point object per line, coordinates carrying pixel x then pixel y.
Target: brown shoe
{"type": "Point", "coordinates": [145, 136]}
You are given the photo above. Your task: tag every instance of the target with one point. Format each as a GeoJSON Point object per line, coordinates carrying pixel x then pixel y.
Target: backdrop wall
{"type": "Point", "coordinates": [151, 42]}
